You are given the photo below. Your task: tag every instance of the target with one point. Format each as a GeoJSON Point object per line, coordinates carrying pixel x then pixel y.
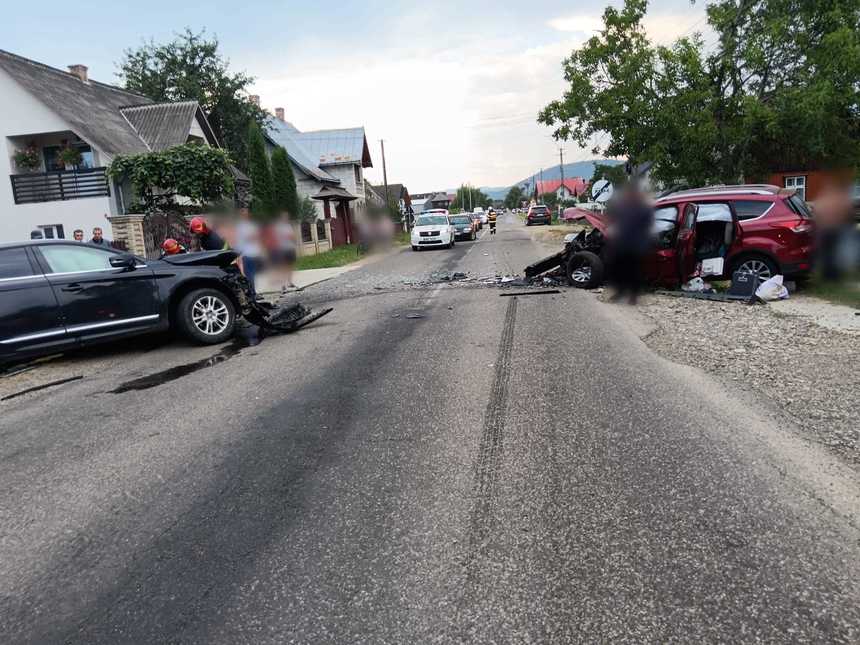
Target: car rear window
{"type": "Point", "coordinates": [539, 209]}
{"type": "Point", "coordinates": [799, 206]}
{"type": "Point", "coordinates": [748, 209]}
{"type": "Point", "coordinates": [14, 263]}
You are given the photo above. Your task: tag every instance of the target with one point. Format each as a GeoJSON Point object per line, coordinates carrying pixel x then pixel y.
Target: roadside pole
{"type": "Point", "coordinates": [385, 181]}
{"type": "Point", "coordinates": [560, 206]}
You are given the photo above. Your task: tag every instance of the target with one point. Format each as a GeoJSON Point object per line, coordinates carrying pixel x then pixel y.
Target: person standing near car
{"type": "Point", "coordinates": [78, 235]}
{"type": "Point", "coordinates": [209, 240]}
{"type": "Point", "coordinates": [98, 237]}
{"type": "Point", "coordinates": [631, 220]}
{"type": "Point", "coordinates": [249, 247]}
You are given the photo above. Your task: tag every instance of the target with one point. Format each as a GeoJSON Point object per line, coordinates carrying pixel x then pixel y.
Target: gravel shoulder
{"type": "Point", "coordinates": [806, 373]}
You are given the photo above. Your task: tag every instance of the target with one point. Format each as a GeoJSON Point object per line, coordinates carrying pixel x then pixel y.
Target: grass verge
{"type": "Point", "coordinates": [338, 257]}
{"type": "Point", "coordinates": [846, 292]}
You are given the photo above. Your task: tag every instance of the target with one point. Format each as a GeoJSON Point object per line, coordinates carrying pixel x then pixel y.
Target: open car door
{"type": "Point", "coordinates": [686, 244]}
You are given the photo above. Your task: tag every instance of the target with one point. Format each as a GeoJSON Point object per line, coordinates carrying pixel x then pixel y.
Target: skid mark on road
{"type": "Point", "coordinates": [490, 451]}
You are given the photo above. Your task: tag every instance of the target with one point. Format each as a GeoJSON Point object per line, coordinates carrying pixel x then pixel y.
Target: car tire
{"type": "Point", "coordinates": [584, 270]}
{"type": "Point", "coordinates": [474, 236]}
{"type": "Point", "coordinates": [753, 262]}
{"type": "Point", "coordinates": [206, 316]}
{"type": "Point", "coordinates": [416, 248]}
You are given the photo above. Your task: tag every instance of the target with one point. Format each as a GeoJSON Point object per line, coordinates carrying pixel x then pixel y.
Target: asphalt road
{"type": "Point", "coordinates": [426, 464]}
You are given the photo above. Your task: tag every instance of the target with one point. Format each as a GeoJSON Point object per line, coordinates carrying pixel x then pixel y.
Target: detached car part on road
{"type": "Point", "coordinates": [58, 295]}
{"type": "Point", "coordinates": [759, 229]}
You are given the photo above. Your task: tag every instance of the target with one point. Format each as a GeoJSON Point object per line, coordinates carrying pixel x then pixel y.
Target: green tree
{"type": "Point", "coordinates": [285, 194]}
{"type": "Point", "coordinates": [195, 172]}
{"type": "Point", "coordinates": [613, 172]}
{"type": "Point", "coordinates": [515, 197]}
{"type": "Point", "coordinates": [189, 68]}
{"type": "Point", "coordinates": [307, 210]}
{"type": "Point", "coordinates": [780, 86]}
{"type": "Point", "coordinates": [262, 189]}
{"type": "Point", "coordinates": [467, 196]}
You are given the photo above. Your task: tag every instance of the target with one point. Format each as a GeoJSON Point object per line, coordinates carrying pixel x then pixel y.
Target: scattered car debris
{"type": "Point", "coordinates": [42, 387]}
{"type": "Point", "coordinates": [772, 289]}
{"type": "Point", "coordinates": [414, 315]}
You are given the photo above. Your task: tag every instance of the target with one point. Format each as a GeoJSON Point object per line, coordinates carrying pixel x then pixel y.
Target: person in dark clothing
{"type": "Point", "coordinates": [209, 239]}
{"type": "Point", "coordinates": [631, 221]}
{"type": "Point", "coordinates": [98, 237]}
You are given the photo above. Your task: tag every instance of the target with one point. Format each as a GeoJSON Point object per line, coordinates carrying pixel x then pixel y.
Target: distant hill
{"type": "Point", "coordinates": [583, 169]}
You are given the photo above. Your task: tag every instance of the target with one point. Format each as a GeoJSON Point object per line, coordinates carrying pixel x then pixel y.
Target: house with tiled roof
{"type": "Point", "coordinates": [44, 111]}
{"type": "Point", "coordinates": [572, 187]}
{"type": "Point", "coordinates": [329, 168]}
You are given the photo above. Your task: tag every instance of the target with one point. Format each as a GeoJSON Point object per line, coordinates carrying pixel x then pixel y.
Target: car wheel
{"type": "Point", "coordinates": [416, 248]}
{"type": "Point", "coordinates": [206, 316]}
{"type": "Point", "coordinates": [474, 236]}
{"type": "Point", "coordinates": [760, 264]}
{"type": "Point", "coordinates": [584, 270]}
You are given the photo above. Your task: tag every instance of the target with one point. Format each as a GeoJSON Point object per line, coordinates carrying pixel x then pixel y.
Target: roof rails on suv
{"type": "Point", "coordinates": [722, 189]}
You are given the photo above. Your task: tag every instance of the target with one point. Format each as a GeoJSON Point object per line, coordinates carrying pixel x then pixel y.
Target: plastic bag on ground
{"type": "Point", "coordinates": [772, 289]}
{"type": "Point", "coordinates": [695, 284]}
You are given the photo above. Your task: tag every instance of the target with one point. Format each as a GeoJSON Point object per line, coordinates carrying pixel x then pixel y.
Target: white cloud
{"type": "Point", "coordinates": [464, 112]}
{"type": "Point", "coordinates": [662, 28]}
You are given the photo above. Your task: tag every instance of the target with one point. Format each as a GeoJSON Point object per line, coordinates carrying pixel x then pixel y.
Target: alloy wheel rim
{"type": "Point", "coordinates": [581, 274]}
{"type": "Point", "coordinates": [757, 266]}
{"type": "Point", "coordinates": [210, 315]}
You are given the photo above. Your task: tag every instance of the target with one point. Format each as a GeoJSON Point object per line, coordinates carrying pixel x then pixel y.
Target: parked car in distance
{"type": "Point", "coordinates": [433, 228]}
{"type": "Point", "coordinates": [480, 212]}
{"type": "Point", "coordinates": [464, 227]}
{"type": "Point", "coordinates": [57, 295]}
{"type": "Point", "coordinates": [538, 214]}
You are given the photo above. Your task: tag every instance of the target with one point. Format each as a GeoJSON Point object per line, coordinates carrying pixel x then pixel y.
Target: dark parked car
{"type": "Point", "coordinates": [538, 214]}
{"type": "Point", "coordinates": [58, 295]}
{"type": "Point", "coordinates": [464, 227]}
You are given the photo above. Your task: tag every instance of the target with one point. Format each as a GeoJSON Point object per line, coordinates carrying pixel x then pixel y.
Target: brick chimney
{"type": "Point", "coordinates": [279, 112]}
{"type": "Point", "coordinates": [255, 99]}
{"type": "Point", "coordinates": [80, 71]}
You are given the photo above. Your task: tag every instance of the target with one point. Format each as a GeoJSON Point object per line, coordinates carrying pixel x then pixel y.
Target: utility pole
{"type": "Point", "coordinates": [560, 205]}
{"type": "Point", "coordinates": [537, 190]}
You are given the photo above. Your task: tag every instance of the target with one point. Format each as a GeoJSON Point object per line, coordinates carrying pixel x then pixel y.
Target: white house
{"type": "Point", "coordinates": [329, 168]}
{"type": "Point", "coordinates": [44, 110]}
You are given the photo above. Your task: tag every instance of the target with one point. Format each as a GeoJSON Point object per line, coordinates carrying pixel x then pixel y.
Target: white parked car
{"type": "Point", "coordinates": [478, 210]}
{"type": "Point", "coordinates": [433, 228]}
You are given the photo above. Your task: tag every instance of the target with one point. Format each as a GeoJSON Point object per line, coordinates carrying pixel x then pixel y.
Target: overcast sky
{"type": "Point", "coordinates": [453, 87]}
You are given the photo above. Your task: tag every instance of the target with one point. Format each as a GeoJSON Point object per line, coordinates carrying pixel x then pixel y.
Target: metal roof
{"type": "Point", "coordinates": [286, 135]}
{"type": "Point", "coordinates": [331, 147]}
{"type": "Point", "coordinates": [164, 125]}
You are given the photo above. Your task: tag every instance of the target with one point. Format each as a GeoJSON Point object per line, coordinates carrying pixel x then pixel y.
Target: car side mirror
{"type": "Point", "coordinates": [123, 262]}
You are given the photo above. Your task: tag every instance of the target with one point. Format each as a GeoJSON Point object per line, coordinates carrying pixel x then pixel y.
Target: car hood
{"type": "Point", "coordinates": [203, 258]}
{"type": "Point", "coordinates": [427, 229]}
{"type": "Point", "coordinates": [597, 220]}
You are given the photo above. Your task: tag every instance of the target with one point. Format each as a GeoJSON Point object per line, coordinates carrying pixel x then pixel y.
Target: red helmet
{"type": "Point", "coordinates": [171, 246]}
{"type": "Point", "coordinates": [198, 225]}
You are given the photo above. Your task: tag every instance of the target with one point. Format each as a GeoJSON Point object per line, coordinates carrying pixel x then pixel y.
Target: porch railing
{"type": "Point", "coordinates": [60, 185]}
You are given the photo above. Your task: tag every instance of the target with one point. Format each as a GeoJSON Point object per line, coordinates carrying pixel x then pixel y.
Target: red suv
{"type": "Point", "coordinates": [756, 227]}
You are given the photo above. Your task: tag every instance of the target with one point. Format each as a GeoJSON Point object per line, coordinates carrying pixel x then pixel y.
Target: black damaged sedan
{"type": "Point", "coordinates": [57, 295]}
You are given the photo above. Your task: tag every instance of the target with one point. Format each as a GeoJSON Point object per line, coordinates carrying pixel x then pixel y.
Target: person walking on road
{"type": "Point", "coordinates": [491, 220]}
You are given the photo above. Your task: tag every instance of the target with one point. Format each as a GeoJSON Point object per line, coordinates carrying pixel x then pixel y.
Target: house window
{"type": "Point", "coordinates": [798, 183]}
{"type": "Point", "coordinates": [321, 229]}
{"type": "Point", "coordinates": [307, 236]}
{"type": "Point", "coordinates": [52, 163]}
{"type": "Point", "coordinates": [357, 175]}
{"type": "Point", "coordinates": [52, 231]}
